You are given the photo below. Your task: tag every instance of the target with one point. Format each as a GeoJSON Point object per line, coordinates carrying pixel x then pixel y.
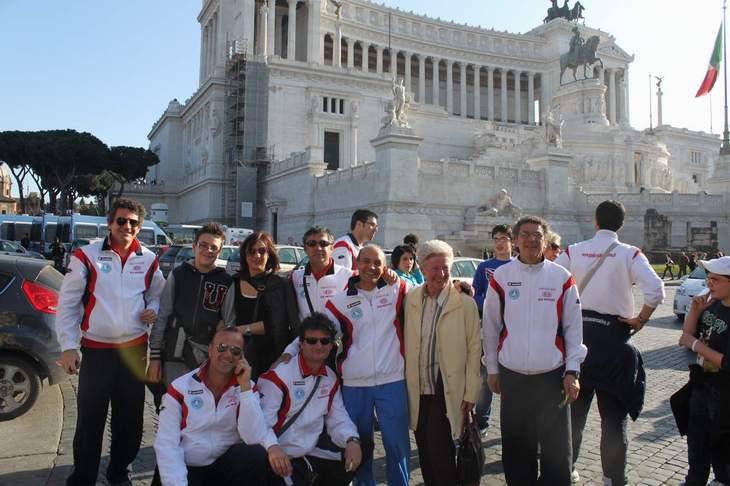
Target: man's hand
{"type": "Point", "coordinates": [390, 276]}
{"type": "Point", "coordinates": [154, 372]}
{"type": "Point", "coordinates": [571, 386]}
{"type": "Point", "coordinates": [686, 340]}
{"type": "Point", "coordinates": [284, 358]}
{"type": "Point", "coordinates": [279, 461]}
{"type": "Point", "coordinates": [70, 361]}
{"type": "Point", "coordinates": [353, 456]}
{"type": "Point", "coordinates": [148, 316]}
{"type": "Point", "coordinates": [701, 302]}
{"type": "Point", "coordinates": [493, 384]}
{"type": "Point", "coordinates": [243, 374]}
{"type": "Point", "coordinates": [634, 322]}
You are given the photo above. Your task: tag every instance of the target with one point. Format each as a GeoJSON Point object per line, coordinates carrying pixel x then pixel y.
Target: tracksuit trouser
{"type": "Point", "coordinates": [436, 450]}
{"type": "Point", "coordinates": [240, 464]}
{"type": "Point", "coordinates": [707, 443]}
{"type": "Point", "coordinates": [614, 436]}
{"type": "Point", "coordinates": [390, 403]}
{"type": "Point", "coordinates": [108, 376]}
{"type": "Point", "coordinates": [531, 414]}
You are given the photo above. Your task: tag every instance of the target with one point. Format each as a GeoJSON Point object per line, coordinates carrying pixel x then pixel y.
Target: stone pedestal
{"type": "Point", "coordinates": [719, 183]}
{"type": "Point", "coordinates": [555, 167]}
{"type": "Point", "coordinates": [581, 102]}
{"type": "Point", "coordinates": [396, 161]}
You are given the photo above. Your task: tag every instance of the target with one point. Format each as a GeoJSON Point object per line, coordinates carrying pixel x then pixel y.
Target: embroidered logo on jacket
{"type": "Point", "coordinates": [214, 295]}
{"type": "Point", "coordinates": [514, 294]}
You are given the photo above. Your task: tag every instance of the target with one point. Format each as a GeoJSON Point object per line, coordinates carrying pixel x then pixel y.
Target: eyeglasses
{"type": "Point", "coordinates": [123, 221]}
{"type": "Point", "coordinates": [234, 350]}
{"type": "Point", "coordinates": [502, 239]}
{"type": "Point", "coordinates": [321, 243]}
{"type": "Point", "coordinates": [314, 340]}
{"type": "Point", "coordinates": [257, 251]}
{"type": "Point", "coordinates": [207, 247]}
{"type": "Point", "coordinates": [527, 235]}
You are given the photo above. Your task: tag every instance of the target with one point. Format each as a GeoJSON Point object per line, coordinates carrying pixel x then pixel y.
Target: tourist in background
{"type": "Point", "coordinates": [403, 260]}
{"type": "Point", "coordinates": [266, 311]}
{"type": "Point", "coordinates": [502, 241]}
{"type": "Point", "coordinates": [443, 350]}
{"type": "Point", "coordinates": [552, 246]}
{"type": "Point", "coordinates": [363, 226]}
{"type": "Point", "coordinates": [534, 363]}
{"type": "Point", "coordinates": [706, 333]}
{"type": "Point", "coordinates": [412, 240]}
{"type": "Point", "coordinates": [668, 264]}
{"type": "Point", "coordinates": [683, 262]}
{"type": "Point", "coordinates": [692, 264]}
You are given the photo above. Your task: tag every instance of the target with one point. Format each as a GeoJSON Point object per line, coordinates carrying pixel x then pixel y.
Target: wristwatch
{"type": "Point", "coordinates": [353, 439]}
{"type": "Point", "coordinates": [576, 374]}
{"type": "Point", "coordinates": [247, 332]}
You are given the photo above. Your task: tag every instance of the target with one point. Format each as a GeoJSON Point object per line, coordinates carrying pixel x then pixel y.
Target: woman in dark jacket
{"type": "Point", "coordinates": [265, 304]}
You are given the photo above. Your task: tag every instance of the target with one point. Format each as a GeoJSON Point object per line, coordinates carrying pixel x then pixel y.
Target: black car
{"type": "Point", "coordinates": [29, 349]}
{"type": "Point", "coordinates": [167, 259]}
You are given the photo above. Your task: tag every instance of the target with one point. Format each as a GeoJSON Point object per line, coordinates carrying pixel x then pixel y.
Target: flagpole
{"type": "Point", "coordinates": [651, 122]}
{"type": "Point", "coordinates": [725, 149]}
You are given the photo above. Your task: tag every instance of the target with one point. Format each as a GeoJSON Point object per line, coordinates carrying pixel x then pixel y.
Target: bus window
{"type": "Point", "coordinates": [147, 236]}
{"type": "Point", "coordinates": [22, 229]}
{"type": "Point", "coordinates": [86, 231]}
{"type": "Point", "coordinates": [35, 231]}
{"type": "Point", "coordinates": [50, 233]}
{"type": "Point", "coordinates": [7, 231]}
{"type": "Point", "coordinates": [63, 231]}
{"type": "Point", "coordinates": [161, 240]}
{"type": "Point", "coordinates": [103, 230]}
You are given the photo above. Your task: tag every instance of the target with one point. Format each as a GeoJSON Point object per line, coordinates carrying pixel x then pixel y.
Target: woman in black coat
{"type": "Point", "coordinates": [266, 310]}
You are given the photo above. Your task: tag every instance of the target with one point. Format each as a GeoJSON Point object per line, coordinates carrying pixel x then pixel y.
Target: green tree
{"type": "Point", "coordinates": [129, 164]}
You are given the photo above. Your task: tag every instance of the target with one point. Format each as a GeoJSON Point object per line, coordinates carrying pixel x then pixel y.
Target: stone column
{"type": "Point", "coordinates": [505, 112]}
{"type": "Point", "coordinates": [249, 19]}
{"type": "Point", "coordinates": [450, 87]}
{"type": "Point", "coordinates": [393, 63]}
{"type": "Point", "coordinates": [544, 96]}
{"type": "Point", "coordinates": [202, 52]}
{"type": "Point", "coordinates": [271, 29]}
{"type": "Point", "coordinates": [350, 52]}
{"type": "Point", "coordinates": [612, 96]}
{"type": "Point", "coordinates": [407, 57]}
{"type": "Point", "coordinates": [626, 118]}
{"type": "Point", "coordinates": [490, 93]}
{"type": "Point", "coordinates": [291, 45]}
{"type": "Point", "coordinates": [315, 52]}
{"type": "Point", "coordinates": [518, 97]}
{"type": "Point", "coordinates": [436, 88]}
{"type": "Point", "coordinates": [462, 89]}
{"type": "Point", "coordinates": [365, 56]}
{"type": "Point", "coordinates": [530, 98]}
{"type": "Point", "coordinates": [379, 59]}
{"type": "Point", "coordinates": [262, 42]}
{"type": "Point", "coordinates": [337, 46]}
{"type": "Point", "coordinates": [477, 94]}
{"type": "Point", "coordinates": [421, 78]}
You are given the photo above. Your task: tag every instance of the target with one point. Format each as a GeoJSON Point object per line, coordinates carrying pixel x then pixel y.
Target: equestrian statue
{"type": "Point", "coordinates": [564, 12]}
{"type": "Point", "coordinates": [581, 53]}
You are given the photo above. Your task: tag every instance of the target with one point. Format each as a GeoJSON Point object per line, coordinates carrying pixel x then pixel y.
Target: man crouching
{"type": "Point", "coordinates": [204, 416]}
{"type": "Point", "coordinates": [301, 397]}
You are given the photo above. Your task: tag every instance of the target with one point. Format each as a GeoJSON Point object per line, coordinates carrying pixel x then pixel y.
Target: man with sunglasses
{"type": "Point", "coordinates": [299, 399]}
{"type": "Point", "coordinates": [108, 299]}
{"type": "Point", "coordinates": [205, 415]}
{"type": "Point", "coordinates": [194, 303]}
{"type": "Point", "coordinates": [363, 226]}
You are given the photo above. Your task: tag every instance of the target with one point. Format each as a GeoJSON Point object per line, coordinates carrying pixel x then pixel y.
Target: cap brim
{"type": "Point", "coordinates": [713, 266]}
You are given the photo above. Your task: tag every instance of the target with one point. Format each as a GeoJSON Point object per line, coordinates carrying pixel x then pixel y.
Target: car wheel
{"type": "Point", "coordinates": [19, 387]}
{"type": "Point", "coordinates": [680, 317]}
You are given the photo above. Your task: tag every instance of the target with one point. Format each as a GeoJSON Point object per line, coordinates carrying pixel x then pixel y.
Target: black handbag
{"type": "Point", "coordinates": [470, 454]}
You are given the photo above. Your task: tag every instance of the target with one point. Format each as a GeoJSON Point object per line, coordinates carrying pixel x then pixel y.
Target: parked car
{"type": "Point", "coordinates": [12, 248]}
{"type": "Point", "coordinates": [692, 285]}
{"type": "Point", "coordinates": [78, 243]}
{"type": "Point", "coordinates": [186, 253]}
{"type": "Point", "coordinates": [167, 259]}
{"type": "Point", "coordinates": [463, 269]}
{"type": "Point", "coordinates": [290, 258]}
{"type": "Point", "coordinates": [28, 346]}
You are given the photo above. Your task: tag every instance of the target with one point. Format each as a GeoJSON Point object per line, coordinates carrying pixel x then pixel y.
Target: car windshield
{"type": "Point", "coordinates": [235, 257]}
{"type": "Point", "coordinates": [698, 273]}
{"type": "Point", "coordinates": [50, 277]}
{"type": "Point", "coordinates": [170, 254]}
{"type": "Point", "coordinates": [185, 253]}
{"type": "Point", "coordinates": [226, 253]}
{"type": "Point", "coordinates": [15, 247]}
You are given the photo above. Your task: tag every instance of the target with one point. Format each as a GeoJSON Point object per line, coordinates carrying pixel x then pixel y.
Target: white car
{"type": "Point", "coordinates": [463, 269]}
{"type": "Point", "coordinates": [290, 257]}
{"type": "Point", "coordinates": [693, 284]}
{"type": "Point", "coordinates": [186, 253]}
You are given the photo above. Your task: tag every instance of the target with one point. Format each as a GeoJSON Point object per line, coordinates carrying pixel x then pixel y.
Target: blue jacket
{"type": "Point", "coordinates": [481, 279]}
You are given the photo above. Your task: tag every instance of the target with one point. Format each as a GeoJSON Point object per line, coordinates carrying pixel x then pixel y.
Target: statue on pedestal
{"type": "Point", "coordinates": [581, 53]}
{"type": "Point", "coordinates": [553, 130]}
{"type": "Point", "coordinates": [398, 108]}
{"type": "Point", "coordinates": [500, 205]}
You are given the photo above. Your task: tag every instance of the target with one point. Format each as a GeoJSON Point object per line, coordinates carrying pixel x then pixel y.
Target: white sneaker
{"type": "Point", "coordinates": [574, 477]}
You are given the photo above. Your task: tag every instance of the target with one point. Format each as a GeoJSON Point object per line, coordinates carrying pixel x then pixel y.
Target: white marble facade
{"type": "Point", "coordinates": [479, 99]}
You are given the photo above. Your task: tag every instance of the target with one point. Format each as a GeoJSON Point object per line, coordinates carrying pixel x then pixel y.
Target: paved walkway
{"type": "Point", "coordinates": [657, 455]}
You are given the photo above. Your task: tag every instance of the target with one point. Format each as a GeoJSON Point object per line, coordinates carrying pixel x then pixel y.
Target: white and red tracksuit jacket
{"type": "Point", "coordinates": [609, 290]}
{"type": "Point", "coordinates": [101, 298]}
{"type": "Point", "coordinates": [345, 251]}
{"type": "Point", "coordinates": [195, 431]}
{"type": "Point", "coordinates": [373, 349]}
{"type": "Point", "coordinates": [532, 319]}
{"type": "Point", "coordinates": [283, 391]}
{"type": "Point", "coordinates": [320, 288]}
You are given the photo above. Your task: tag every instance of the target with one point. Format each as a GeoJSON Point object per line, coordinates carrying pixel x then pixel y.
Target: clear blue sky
{"type": "Point", "coordinates": [110, 67]}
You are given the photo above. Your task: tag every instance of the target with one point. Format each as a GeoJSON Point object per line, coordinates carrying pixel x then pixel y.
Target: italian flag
{"type": "Point", "coordinates": [714, 67]}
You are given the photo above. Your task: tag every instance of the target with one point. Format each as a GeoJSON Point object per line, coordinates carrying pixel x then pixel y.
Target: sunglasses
{"type": "Point", "coordinates": [234, 350]}
{"type": "Point", "coordinates": [259, 251]}
{"type": "Point", "coordinates": [132, 222]}
{"type": "Point", "coordinates": [314, 340]}
{"type": "Point", "coordinates": [321, 243]}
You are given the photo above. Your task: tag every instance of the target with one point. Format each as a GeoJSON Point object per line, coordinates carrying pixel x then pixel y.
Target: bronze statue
{"type": "Point", "coordinates": [564, 12]}
{"type": "Point", "coordinates": [580, 54]}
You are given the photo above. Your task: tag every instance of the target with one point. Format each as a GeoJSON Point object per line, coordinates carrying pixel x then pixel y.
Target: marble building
{"type": "Point", "coordinates": [286, 130]}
